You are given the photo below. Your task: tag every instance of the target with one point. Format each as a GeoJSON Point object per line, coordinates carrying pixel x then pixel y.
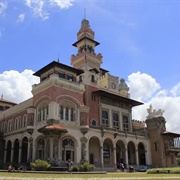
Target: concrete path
{"type": "Point", "coordinates": [130, 178]}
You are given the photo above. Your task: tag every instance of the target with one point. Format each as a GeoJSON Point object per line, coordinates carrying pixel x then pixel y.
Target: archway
{"type": "Point", "coordinates": [94, 151]}
{"type": "Point", "coordinates": [131, 153]}
{"type": "Point", "coordinates": [120, 153]}
{"type": "Point", "coordinates": [24, 150]}
{"type": "Point", "coordinates": [108, 153]}
{"type": "Point", "coordinates": [40, 149]}
{"type": "Point", "coordinates": [68, 146]}
{"type": "Point", "coordinates": [16, 151]}
{"type": "Point", "coordinates": [141, 153]}
{"type": "Point", "coordinates": [8, 152]}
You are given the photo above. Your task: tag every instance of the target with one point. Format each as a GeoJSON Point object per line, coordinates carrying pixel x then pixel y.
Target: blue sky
{"type": "Point", "coordinates": [139, 41]}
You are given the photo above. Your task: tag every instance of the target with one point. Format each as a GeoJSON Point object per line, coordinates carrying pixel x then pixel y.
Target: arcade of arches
{"type": "Point", "coordinates": [101, 153]}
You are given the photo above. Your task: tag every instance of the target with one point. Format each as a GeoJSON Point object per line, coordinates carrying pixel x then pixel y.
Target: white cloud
{"type": "Point", "coordinates": [62, 3]}
{"type": "Point", "coordinates": [3, 7]}
{"type": "Point", "coordinates": [176, 90]}
{"type": "Point", "coordinates": [21, 18]}
{"type": "Point", "coordinates": [16, 86]}
{"type": "Point", "coordinates": [38, 8]}
{"type": "Point", "coordinates": [144, 87]}
{"type": "Point", "coordinates": [41, 7]}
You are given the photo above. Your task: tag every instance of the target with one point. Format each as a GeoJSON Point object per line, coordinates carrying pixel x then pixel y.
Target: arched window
{"type": "Point", "coordinates": [93, 122]}
{"type": "Point", "coordinates": [40, 149]}
{"type": "Point", "coordinates": [5, 129]}
{"type": "Point", "coordinates": [24, 121]}
{"type": "Point", "coordinates": [67, 110]}
{"type": "Point", "coordinates": [42, 110]}
{"type": "Point", "coordinates": [19, 123]}
{"type": "Point", "coordinates": [12, 125]}
{"type": "Point", "coordinates": [68, 149]}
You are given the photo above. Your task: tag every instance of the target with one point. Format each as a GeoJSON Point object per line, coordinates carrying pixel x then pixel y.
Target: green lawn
{"type": "Point", "coordinates": [101, 176]}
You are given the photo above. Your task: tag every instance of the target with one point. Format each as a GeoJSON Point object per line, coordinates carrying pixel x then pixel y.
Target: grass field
{"type": "Point", "coordinates": [108, 176]}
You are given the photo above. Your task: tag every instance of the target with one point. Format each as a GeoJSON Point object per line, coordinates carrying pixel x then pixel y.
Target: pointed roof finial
{"type": "Point", "coordinates": [58, 59]}
{"type": "Point", "coordinates": [2, 96]}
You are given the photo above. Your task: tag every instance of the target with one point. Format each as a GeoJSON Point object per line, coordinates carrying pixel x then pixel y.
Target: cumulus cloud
{"type": "Point", "coordinates": [175, 91]}
{"type": "Point", "coordinates": [16, 86]}
{"type": "Point", "coordinates": [38, 8]}
{"type": "Point", "coordinates": [62, 3]}
{"type": "Point", "coordinates": [144, 87]}
{"type": "Point", "coordinates": [41, 7]}
{"type": "Point", "coordinates": [21, 18]}
{"type": "Point", "coordinates": [3, 6]}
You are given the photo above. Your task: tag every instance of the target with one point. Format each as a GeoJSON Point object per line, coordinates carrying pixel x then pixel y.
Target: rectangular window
{"type": "Point", "coordinates": [24, 123]}
{"type": "Point", "coordinates": [62, 75]}
{"type": "Point", "coordinates": [70, 77]}
{"type": "Point", "coordinates": [7, 107]}
{"type": "Point", "coordinates": [67, 114]}
{"type": "Point", "coordinates": [92, 78]}
{"type": "Point", "coordinates": [105, 120]}
{"type": "Point", "coordinates": [1, 108]}
{"type": "Point", "coordinates": [115, 121]}
{"type": "Point", "coordinates": [19, 123]}
{"type": "Point", "coordinates": [155, 146]}
{"type": "Point", "coordinates": [80, 78]}
{"type": "Point", "coordinates": [93, 97]}
{"type": "Point", "coordinates": [72, 114]}
{"type": "Point", "coordinates": [125, 123]}
{"type": "Point", "coordinates": [61, 114]}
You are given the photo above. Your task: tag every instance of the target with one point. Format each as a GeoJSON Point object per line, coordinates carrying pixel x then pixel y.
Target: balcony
{"type": "Point", "coordinates": [172, 142]}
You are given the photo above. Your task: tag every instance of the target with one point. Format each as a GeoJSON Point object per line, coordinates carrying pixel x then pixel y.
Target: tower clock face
{"type": "Point", "coordinates": [113, 85]}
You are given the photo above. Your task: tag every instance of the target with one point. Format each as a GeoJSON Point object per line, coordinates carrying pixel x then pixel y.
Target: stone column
{"type": "Point", "coordinates": [126, 160]}
{"type": "Point", "coordinates": [102, 158]}
{"type": "Point", "coordinates": [5, 152]}
{"type": "Point", "coordinates": [51, 148]}
{"type": "Point", "coordinates": [114, 154]}
{"type": "Point", "coordinates": [59, 148]}
{"type": "Point", "coordinates": [30, 149]}
{"type": "Point", "coordinates": [12, 153]}
{"type": "Point", "coordinates": [137, 156]}
{"type": "Point", "coordinates": [33, 150]}
{"type": "Point", "coordinates": [110, 119]}
{"type": "Point", "coordinates": [84, 154]}
{"type": "Point", "coordinates": [20, 151]}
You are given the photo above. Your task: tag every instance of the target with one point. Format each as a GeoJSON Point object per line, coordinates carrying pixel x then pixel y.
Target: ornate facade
{"type": "Point", "coordinates": [82, 113]}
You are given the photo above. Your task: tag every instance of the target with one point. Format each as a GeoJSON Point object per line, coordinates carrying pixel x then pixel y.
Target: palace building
{"type": "Point", "coordinates": [83, 113]}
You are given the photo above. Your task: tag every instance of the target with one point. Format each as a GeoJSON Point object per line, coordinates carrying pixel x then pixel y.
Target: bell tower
{"type": "Point", "coordinates": [86, 58]}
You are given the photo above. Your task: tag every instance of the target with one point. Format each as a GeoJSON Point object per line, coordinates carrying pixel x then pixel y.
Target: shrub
{"type": "Point", "coordinates": [40, 165]}
{"type": "Point", "coordinates": [163, 170]}
{"type": "Point", "coordinates": [75, 168]}
{"type": "Point", "coordinates": [86, 167]}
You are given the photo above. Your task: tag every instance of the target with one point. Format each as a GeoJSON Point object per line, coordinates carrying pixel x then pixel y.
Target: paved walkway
{"type": "Point", "coordinates": [123, 178]}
